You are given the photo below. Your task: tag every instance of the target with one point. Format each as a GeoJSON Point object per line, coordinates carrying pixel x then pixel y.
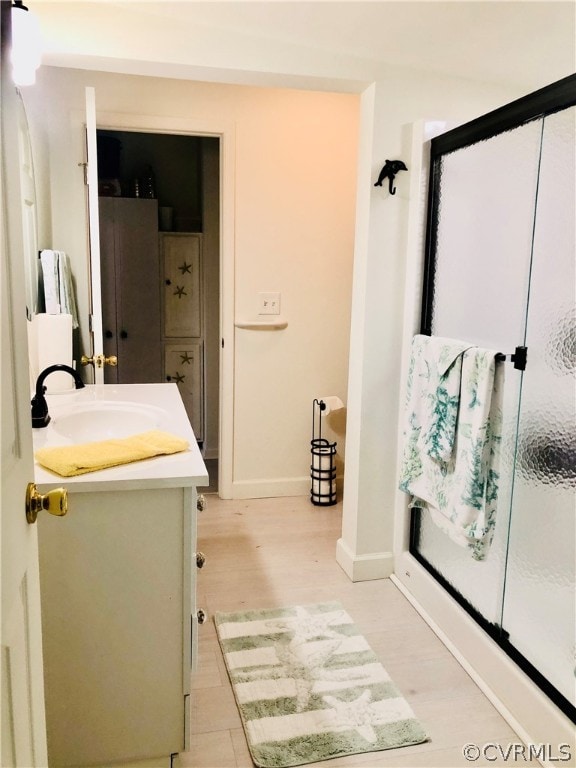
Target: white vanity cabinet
{"type": "Point", "coordinates": [119, 608]}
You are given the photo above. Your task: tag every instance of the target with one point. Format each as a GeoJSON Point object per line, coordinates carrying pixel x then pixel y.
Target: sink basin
{"type": "Point", "coordinates": [109, 411]}
{"type": "Point", "coordinates": [90, 422]}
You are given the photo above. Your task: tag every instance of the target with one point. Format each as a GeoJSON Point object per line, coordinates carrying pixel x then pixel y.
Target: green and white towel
{"type": "Point", "coordinates": [452, 435]}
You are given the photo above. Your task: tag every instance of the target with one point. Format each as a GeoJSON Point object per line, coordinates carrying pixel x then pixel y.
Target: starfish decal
{"type": "Point", "coordinates": [186, 268]}
{"type": "Point", "coordinates": [186, 358]}
{"type": "Point", "coordinates": [305, 666]}
{"type": "Point", "coordinates": [179, 378]}
{"type": "Point", "coordinates": [180, 291]}
{"type": "Point", "coordinates": [309, 626]}
{"type": "Point", "coordinates": [359, 714]}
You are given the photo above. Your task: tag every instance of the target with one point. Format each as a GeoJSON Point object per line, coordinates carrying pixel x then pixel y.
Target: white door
{"type": "Point", "coordinates": [94, 227]}
{"type": "Point", "coordinates": [23, 732]}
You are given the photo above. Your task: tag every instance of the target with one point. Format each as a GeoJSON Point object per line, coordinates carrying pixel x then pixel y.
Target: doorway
{"type": "Point", "coordinates": [168, 184]}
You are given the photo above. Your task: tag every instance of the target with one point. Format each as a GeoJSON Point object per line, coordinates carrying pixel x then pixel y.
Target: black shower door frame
{"type": "Point", "coordinates": [546, 101]}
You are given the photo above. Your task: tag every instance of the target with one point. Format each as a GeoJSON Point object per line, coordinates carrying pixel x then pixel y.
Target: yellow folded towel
{"type": "Point", "coordinates": [69, 460]}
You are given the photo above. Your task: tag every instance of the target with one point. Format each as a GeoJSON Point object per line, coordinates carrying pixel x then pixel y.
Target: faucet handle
{"type": "Point", "coordinates": [40, 415]}
{"type": "Point", "coordinates": [99, 360]}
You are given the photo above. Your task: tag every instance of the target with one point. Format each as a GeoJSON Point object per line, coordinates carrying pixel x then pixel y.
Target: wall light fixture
{"type": "Point", "coordinates": [26, 44]}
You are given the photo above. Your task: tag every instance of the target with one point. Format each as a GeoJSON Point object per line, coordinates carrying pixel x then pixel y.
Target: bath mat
{"type": "Point", "coordinates": [309, 687]}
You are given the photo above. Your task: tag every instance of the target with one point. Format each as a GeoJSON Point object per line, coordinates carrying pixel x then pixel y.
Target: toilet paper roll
{"type": "Point", "coordinates": [322, 489]}
{"type": "Point", "coordinates": [50, 342]}
{"type": "Point", "coordinates": [332, 403]}
{"type": "Point", "coordinates": [325, 462]}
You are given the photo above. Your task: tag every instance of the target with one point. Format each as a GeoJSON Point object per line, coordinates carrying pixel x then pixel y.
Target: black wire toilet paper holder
{"type": "Point", "coordinates": [323, 466]}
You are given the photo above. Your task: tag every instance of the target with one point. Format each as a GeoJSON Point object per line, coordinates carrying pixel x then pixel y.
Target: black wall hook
{"type": "Point", "coordinates": [389, 171]}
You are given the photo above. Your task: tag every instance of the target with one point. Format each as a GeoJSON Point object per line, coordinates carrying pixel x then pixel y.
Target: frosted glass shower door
{"type": "Point", "coordinates": [484, 233]}
{"type": "Point", "coordinates": [539, 598]}
{"type": "Point", "coordinates": [500, 273]}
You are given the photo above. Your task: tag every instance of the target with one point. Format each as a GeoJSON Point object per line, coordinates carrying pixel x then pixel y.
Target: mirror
{"type": "Point", "coordinates": [29, 211]}
{"type": "Point", "coordinates": [51, 313]}
{"type": "Point", "coordinates": [186, 169]}
{"type": "Point", "coordinates": [159, 216]}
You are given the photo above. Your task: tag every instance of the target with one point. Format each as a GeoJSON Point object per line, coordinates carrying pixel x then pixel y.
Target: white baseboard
{"type": "Point", "coordinates": [523, 705]}
{"type": "Point", "coordinates": [275, 487]}
{"type": "Point", "coordinates": [377, 565]}
{"type": "Point", "coordinates": [262, 489]}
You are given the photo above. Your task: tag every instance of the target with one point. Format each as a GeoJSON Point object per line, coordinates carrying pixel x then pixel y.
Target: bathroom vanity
{"type": "Point", "coordinates": [118, 584]}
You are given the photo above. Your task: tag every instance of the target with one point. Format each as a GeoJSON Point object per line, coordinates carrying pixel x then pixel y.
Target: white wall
{"type": "Point", "coordinates": [389, 107]}
{"type": "Point", "coordinates": [94, 35]}
{"type": "Point", "coordinates": [295, 170]}
{"type": "Point", "coordinates": [294, 207]}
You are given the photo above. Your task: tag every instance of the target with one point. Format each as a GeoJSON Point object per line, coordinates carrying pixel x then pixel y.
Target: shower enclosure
{"type": "Point", "coordinates": [499, 273]}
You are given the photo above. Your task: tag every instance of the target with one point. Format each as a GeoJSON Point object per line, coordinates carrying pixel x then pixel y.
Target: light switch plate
{"type": "Point", "coordinates": [269, 303]}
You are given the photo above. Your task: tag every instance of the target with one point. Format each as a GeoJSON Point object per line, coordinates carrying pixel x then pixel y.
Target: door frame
{"type": "Point", "coordinates": [225, 132]}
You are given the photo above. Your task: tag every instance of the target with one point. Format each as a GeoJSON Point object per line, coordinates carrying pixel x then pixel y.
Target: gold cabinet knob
{"type": "Point", "coordinates": [55, 502]}
{"type": "Point", "coordinates": [201, 503]}
{"type": "Point", "coordinates": [200, 559]}
{"type": "Point", "coordinates": [201, 616]}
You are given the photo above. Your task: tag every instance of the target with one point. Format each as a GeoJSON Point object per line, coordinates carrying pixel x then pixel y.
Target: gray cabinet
{"type": "Point", "coordinates": [131, 304]}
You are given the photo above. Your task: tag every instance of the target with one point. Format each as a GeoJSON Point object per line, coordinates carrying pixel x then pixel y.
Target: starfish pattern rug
{"type": "Point", "coordinates": [309, 687]}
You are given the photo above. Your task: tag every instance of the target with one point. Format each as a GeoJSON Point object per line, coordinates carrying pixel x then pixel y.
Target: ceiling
{"type": "Point", "coordinates": [517, 42]}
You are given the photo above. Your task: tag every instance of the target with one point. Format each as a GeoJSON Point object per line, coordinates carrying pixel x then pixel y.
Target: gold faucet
{"type": "Point", "coordinates": [99, 360]}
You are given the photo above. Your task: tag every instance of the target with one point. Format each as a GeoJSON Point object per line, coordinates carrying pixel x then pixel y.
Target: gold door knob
{"type": "Point", "coordinates": [200, 559]}
{"type": "Point", "coordinates": [55, 502]}
{"type": "Point", "coordinates": [99, 360]}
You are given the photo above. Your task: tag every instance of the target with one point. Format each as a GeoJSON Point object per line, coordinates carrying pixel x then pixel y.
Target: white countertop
{"type": "Point", "coordinates": [177, 470]}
